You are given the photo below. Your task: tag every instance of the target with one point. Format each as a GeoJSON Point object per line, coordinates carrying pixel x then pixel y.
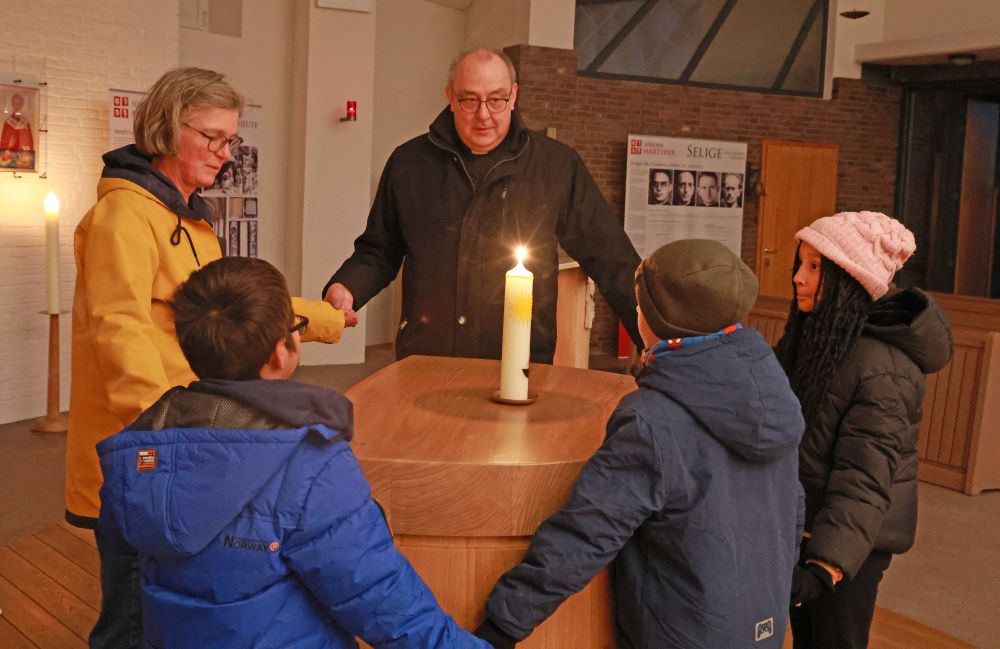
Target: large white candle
{"type": "Point", "coordinates": [52, 251]}
{"type": "Point", "coordinates": [516, 349]}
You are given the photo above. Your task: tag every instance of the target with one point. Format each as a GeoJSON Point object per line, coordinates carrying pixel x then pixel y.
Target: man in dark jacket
{"type": "Point", "coordinates": [253, 520]}
{"type": "Point", "coordinates": [694, 494]}
{"type": "Point", "coordinates": [456, 202]}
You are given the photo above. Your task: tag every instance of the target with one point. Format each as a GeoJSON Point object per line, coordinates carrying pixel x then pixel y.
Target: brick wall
{"type": "Point", "coordinates": [596, 115]}
{"type": "Point", "coordinates": [81, 49]}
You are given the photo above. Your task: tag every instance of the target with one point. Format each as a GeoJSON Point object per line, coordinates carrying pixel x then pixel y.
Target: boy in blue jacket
{"type": "Point", "coordinates": [694, 496]}
{"type": "Point", "coordinates": [254, 524]}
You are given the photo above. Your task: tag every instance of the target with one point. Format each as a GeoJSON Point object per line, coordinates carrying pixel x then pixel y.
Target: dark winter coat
{"type": "Point", "coordinates": [858, 458]}
{"type": "Point", "coordinates": [256, 528]}
{"type": "Point", "coordinates": [694, 495]}
{"type": "Point", "coordinates": [458, 241]}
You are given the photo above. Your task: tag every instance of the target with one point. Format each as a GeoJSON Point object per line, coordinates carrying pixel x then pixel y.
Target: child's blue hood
{"type": "Point", "coordinates": [171, 491]}
{"type": "Point", "coordinates": [735, 387]}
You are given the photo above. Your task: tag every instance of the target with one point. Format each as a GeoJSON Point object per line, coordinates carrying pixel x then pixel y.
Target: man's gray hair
{"type": "Point", "coordinates": [481, 54]}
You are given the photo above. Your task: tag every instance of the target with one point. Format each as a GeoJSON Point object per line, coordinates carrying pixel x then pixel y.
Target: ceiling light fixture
{"type": "Point", "coordinates": [962, 58]}
{"type": "Point", "coordinates": [854, 14]}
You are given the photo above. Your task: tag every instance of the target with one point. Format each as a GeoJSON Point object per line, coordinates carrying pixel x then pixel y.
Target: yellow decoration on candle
{"type": "Point", "coordinates": [521, 308]}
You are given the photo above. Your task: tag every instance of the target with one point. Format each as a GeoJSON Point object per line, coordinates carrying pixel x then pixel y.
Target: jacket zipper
{"type": "Point", "coordinates": [458, 157]}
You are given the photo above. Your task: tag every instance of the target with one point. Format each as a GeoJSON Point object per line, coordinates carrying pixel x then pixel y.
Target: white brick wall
{"type": "Point", "coordinates": [81, 48]}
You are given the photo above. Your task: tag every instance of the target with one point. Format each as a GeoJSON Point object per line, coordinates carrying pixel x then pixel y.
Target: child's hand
{"type": "Point", "coordinates": [810, 582]}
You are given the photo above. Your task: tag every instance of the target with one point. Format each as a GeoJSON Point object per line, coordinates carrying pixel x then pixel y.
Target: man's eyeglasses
{"type": "Point", "coordinates": [493, 104]}
{"type": "Point", "coordinates": [216, 143]}
{"type": "Point", "coordinates": [301, 322]}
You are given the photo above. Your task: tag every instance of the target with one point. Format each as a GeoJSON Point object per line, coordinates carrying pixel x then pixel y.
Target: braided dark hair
{"type": "Point", "coordinates": [814, 343]}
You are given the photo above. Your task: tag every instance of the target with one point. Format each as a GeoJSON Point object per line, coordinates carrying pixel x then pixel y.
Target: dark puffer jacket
{"type": "Point", "coordinates": [858, 458]}
{"type": "Point", "coordinates": [458, 241]}
{"type": "Point", "coordinates": [694, 495]}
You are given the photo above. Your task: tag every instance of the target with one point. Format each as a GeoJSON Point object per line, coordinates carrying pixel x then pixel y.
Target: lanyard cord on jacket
{"type": "Point", "coordinates": [670, 344]}
{"type": "Point", "coordinates": [175, 239]}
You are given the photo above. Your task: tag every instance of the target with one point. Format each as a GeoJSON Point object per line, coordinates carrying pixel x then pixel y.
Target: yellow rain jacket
{"type": "Point", "coordinates": [133, 249]}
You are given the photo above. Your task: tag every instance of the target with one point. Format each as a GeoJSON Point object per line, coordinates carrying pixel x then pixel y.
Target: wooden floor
{"type": "Point", "coordinates": [50, 593]}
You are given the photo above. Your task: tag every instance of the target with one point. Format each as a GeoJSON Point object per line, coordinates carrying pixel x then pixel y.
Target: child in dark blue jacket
{"type": "Point", "coordinates": [254, 524]}
{"type": "Point", "coordinates": [694, 496]}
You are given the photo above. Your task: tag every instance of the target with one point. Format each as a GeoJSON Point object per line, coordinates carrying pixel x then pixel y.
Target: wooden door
{"type": "Point", "coordinates": [799, 182]}
{"type": "Point", "coordinates": [977, 211]}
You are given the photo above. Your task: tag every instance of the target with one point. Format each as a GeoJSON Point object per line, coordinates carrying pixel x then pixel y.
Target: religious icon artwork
{"type": "Point", "coordinates": [19, 131]}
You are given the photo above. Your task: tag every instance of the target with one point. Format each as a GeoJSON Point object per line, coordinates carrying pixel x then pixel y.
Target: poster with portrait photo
{"type": "Point", "coordinates": [697, 170]}
{"type": "Point", "coordinates": [19, 131]}
{"type": "Point", "coordinates": [661, 187]}
{"type": "Point", "coordinates": [708, 189]}
{"type": "Point", "coordinates": [238, 183]}
{"type": "Point", "coordinates": [732, 190]}
{"type": "Point", "coordinates": [684, 186]}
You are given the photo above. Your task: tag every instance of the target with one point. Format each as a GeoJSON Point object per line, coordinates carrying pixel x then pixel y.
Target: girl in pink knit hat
{"type": "Point", "coordinates": [857, 357]}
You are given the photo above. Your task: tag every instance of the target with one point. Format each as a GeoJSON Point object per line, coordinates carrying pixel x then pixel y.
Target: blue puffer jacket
{"type": "Point", "coordinates": [694, 495]}
{"type": "Point", "coordinates": [256, 527]}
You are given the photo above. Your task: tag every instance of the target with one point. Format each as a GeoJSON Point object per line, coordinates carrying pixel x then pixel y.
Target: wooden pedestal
{"type": "Point", "coordinates": [52, 422]}
{"type": "Point", "coordinates": [466, 481]}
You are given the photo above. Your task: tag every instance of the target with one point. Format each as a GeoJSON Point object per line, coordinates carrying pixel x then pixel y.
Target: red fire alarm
{"type": "Point", "coordinates": [352, 112]}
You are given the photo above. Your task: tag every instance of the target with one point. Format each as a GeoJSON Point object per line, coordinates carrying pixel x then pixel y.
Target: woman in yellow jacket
{"type": "Point", "coordinates": [148, 231]}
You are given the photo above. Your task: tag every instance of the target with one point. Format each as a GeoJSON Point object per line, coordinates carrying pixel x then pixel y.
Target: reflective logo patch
{"type": "Point", "coordinates": [765, 629]}
{"type": "Point", "coordinates": [145, 459]}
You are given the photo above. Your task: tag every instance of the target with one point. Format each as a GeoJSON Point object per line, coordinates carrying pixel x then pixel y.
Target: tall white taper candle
{"type": "Point", "coordinates": [52, 252]}
{"type": "Point", "coordinates": [516, 349]}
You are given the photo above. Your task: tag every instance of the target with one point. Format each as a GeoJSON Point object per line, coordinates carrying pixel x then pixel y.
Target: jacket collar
{"type": "Point", "coordinates": [442, 134]}
{"type": "Point", "coordinates": [135, 165]}
{"type": "Point", "coordinates": [297, 404]}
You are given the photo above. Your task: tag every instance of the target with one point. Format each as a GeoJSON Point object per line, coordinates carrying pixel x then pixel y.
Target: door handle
{"type": "Point", "coordinates": [770, 250]}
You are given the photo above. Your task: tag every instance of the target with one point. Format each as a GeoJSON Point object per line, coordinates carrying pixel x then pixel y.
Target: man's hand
{"type": "Point", "coordinates": [809, 582]}
{"type": "Point", "coordinates": [341, 298]}
{"type": "Point", "coordinates": [491, 633]}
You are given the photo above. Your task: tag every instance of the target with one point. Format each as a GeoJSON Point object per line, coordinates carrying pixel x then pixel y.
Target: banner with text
{"type": "Point", "coordinates": [677, 188]}
{"type": "Point", "coordinates": [121, 115]}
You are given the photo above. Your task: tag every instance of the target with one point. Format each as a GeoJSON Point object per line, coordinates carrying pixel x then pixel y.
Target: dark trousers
{"type": "Point", "coordinates": [119, 625]}
{"type": "Point", "coordinates": [841, 619]}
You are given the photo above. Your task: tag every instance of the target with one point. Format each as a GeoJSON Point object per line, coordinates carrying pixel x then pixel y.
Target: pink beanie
{"type": "Point", "coordinates": [870, 246]}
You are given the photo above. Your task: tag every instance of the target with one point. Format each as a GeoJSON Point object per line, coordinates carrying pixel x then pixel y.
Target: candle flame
{"type": "Point", "coordinates": [51, 203]}
{"type": "Point", "coordinates": [521, 253]}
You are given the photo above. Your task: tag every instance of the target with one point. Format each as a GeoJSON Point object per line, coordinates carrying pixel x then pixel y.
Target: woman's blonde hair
{"type": "Point", "coordinates": [158, 117]}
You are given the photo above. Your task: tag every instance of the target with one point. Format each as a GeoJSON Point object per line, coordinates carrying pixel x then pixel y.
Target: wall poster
{"type": "Point", "coordinates": [234, 198]}
{"type": "Point", "coordinates": [19, 127]}
{"type": "Point", "coordinates": [677, 188]}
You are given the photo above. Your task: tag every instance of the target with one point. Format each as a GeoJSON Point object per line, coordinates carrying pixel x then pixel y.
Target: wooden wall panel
{"type": "Point", "coordinates": [966, 403]}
